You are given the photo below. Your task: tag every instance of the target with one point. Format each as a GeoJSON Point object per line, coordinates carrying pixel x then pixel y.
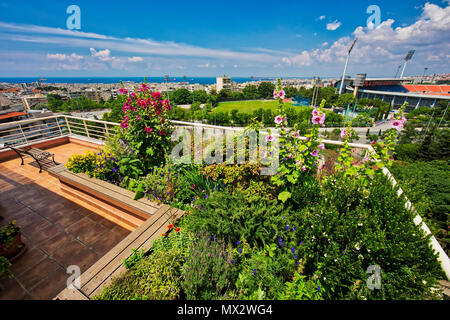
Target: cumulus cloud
{"type": "Point", "coordinates": [103, 55]}
{"type": "Point", "coordinates": [135, 59]}
{"type": "Point", "coordinates": [333, 25]}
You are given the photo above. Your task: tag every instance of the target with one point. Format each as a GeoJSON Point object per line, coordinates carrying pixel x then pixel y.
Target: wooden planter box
{"type": "Point", "coordinates": [115, 203]}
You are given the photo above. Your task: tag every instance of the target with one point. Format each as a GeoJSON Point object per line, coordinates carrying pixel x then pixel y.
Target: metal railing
{"type": "Point", "coordinates": [31, 131]}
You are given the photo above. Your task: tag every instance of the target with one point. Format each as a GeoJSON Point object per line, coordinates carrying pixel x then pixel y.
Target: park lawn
{"type": "Point", "coordinates": [248, 106]}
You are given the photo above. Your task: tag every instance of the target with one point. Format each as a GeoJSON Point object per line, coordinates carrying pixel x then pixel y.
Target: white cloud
{"type": "Point", "coordinates": [321, 18]}
{"type": "Point", "coordinates": [135, 59]}
{"type": "Point", "coordinates": [64, 57]}
{"type": "Point", "coordinates": [103, 55]}
{"type": "Point", "coordinates": [333, 25]}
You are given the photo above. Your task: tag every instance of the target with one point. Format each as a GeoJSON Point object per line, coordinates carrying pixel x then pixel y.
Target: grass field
{"type": "Point", "coordinates": [248, 106]}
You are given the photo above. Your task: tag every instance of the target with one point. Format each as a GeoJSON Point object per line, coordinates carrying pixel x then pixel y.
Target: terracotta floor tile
{"type": "Point", "coordinates": [75, 253]}
{"type": "Point", "coordinates": [10, 289]}
{"type": "Point", "coordinates": [54, 243]}
{"type": "Point", "coordinates": [49, 287]}
{"type": "Point", "coordinates": [108, 241]}
{"type": "Point", "coordinates": [26, 262]}
{"type": "Point", "coordinates": [41, 233]}
{"type": "Point", "coordinates": [87, 230]}
{"type": "Point", "coordinates": [103, 221]}
{"type": "Point", "coordinates": [40, 271]}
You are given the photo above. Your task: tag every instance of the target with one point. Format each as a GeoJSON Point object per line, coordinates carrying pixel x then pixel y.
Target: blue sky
{"type": "Point", "coordinates": [207, 38]}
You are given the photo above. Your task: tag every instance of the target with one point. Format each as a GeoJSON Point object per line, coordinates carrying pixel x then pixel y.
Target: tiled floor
{"type": "Point", "coordinates": [59, 230]}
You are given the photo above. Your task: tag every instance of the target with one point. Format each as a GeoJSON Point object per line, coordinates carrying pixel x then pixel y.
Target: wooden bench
{"type": "Point", "coordinates": [35, 153]}
{"type": "Point", "coordinates": [110, 265]}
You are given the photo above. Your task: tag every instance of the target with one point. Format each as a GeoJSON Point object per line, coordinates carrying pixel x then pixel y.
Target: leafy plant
{"type": "Point", "coordinates": [154, 278]}
{"type": "Point", "coordinates": [5, 268]}
{"type": "Point", "coordinates": [8, 232]}
{"type": "Point", "coordinates": [208, 272]}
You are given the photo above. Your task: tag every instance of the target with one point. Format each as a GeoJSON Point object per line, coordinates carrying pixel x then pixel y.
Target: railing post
{"type": "Point", "coordinates": [85, 128]}
{"type": "Point", "coordinates": [68, 126]}
{"type": "Point", "coordinates": [23, 134]}
{"type": "Point", "coordinates": [59, 127]}
{"type": "Point", "coordinates": [106, 130]}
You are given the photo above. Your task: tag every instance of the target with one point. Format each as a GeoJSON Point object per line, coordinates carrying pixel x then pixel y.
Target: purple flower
{"type": "Point", "coordinates": [293, 250]}
{"type": "Point", "coordinates": [287, 227]}
{"type": "Point", "coordinates": [239, 242]}
{"type": "Point", "coordinates": [232, 261]}
{"type": "Point", "coordinates": [318, 288]}
{"type": "Point", "coordinates": [254, 272]}
{"type": "Point", "coordinates": [240, 251]}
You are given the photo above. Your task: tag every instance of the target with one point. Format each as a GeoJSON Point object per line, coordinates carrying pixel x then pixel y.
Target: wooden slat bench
{"type": "Point", "coordinates": [111, 265]}
{"type": "Point", "coordinates": [35, 153]}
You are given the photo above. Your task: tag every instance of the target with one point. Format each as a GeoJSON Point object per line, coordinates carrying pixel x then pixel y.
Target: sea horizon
{"type": "Point", "coordinates": [111, 80]}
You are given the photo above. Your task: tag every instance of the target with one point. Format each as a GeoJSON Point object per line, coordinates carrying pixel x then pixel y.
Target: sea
{"type": "Point", "coordinates": [86, 80]}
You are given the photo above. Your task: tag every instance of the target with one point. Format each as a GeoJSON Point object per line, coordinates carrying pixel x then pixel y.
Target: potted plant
{"type": "Point", "coordinates": [5, 268]}
{"type": "Point", "coordinates": [11, 245]}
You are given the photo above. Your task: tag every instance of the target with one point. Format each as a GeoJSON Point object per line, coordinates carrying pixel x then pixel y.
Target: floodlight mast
{"type": "Point", "coordinates": [346, 64]}
{"type": "Point", "coordinates": [407, 58]}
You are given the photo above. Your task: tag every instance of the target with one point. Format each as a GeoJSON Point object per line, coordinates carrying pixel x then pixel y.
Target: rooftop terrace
{"type": "Point", "coordinates": [58, 229]}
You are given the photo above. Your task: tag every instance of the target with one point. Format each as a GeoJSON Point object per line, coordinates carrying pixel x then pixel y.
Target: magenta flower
{"type": "Point", "coordinates": [344, 133]}
{"type": "Point", "coordinates": [278, 119]}
{"type": "Point", "coordinates": [269, 138]}
{"type": "Point", "coordinates": [290, 156]}
{"type": "Point", "coordinates": [148, 130]}
{"type": "Point", "coordinates": [282, 94]}
{"type": "Point", "coordinates": [315, 153]}
{"type": "Point", "coordinates": [304, 168]}
{"type": "Point", "coordinates": [275, 94]}
{"type": "Point", "coordinates": [317, 120]}
{"type": "Point", "coordinates": [397, 125]}
{"type": "Point", "coordinates": [316, 113]}
{"type": "Point", "coordinates": [321, 146]}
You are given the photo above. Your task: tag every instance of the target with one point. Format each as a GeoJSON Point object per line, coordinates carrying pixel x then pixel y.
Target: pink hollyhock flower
{"type": "Point", "coordinates": [269, 138]}
{"type": "Point", "coordinates": [124, 124]}
{"type": "Point", "coordinates": [290, 156]}
{"type": "Point", "coordinates": [282, 94]}
{"type": "Point", "coordinates": [344, 133]}
{"type": "Point", "coordinates": [316, 113]}
{"type": "Point", "coordinates": [315, 153]}
{"type": "Point", "coordinates": [278, 119]}
{"type": "Point", "coordinates": [321, 146]}
{"type": "Point", "coordinates": [304, 168]}
{"type": "Point", "coordinates": [275, 94]}
{"type": "Point", "coordinates": [397, 125]}
{"type": "Point", "coordinates": [298, 162]}
{"type": "Point", "coordinates": [317, 120]}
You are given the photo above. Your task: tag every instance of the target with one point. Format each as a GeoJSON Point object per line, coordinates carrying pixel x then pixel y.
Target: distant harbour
{"type": "Point", "coordinates": [109, 80]}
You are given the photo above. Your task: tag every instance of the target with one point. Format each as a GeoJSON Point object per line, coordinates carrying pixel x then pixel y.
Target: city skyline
{"type": "Point", "coordinates": [237, 39]}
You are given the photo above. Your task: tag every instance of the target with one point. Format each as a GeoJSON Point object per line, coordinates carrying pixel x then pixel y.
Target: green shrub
{"type": "Point", "coordinates": [5, 268]}
{"type": "Point", "coordinates": [407, 151]}
{"type": "Point", "coordinates": [79, 163]}
{"type": "Point", "coordinates": [354, 228]}
{"type": "Point", "coordinates": [427, 185]}
{"type": "Point", "coordinates": [231, 217]}
{"type": "Point", "coordinates": [154, 278]}
{"type": "Point", "coordinates": [208, 272]}
{"type": "Point", "coordinates": [262, 274]}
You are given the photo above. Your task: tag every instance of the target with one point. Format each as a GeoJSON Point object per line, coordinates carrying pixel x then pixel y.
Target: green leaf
{"type": "Point", "coordinates": [284, 196]}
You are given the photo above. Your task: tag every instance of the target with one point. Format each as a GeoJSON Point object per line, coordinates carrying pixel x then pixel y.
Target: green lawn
{"type": "Point", "coordinates": [248, 106]}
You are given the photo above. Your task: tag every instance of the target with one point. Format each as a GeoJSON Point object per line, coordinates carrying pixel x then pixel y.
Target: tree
{"type": "Point", "coordinates": [181, 96]}
{"type": "Point", "coordinates": [345, 99]}
{"type": "Point", "coordinates": [199, 96]}
{"type": "Point", "coordinates": [251, 92]}
{"type": "Point", "coordinates": [266, 89]}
